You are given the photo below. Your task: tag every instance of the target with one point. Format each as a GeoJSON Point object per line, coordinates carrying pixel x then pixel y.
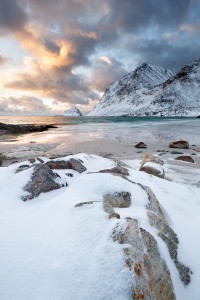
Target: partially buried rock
{"type": "Point", "coordinates": [140, 145]}
{"type": "Point", "coordinates": [176, 152]}
{"type": "Point", "coordinates": [185, 158]}
{"type": "Point", "coordinates": [150, 275]}
{"type": "Point", "coordinates": [181, 144]}
{"type": "Point", "coordinates": [42, 181]}
{"type": "Point", "coordinates": [116, 170]}
{"type": "Point", "coordinates": [120, 199]}
{"type": "Point", "coordinates": [153, 169]}
{"type": "Point", "coordinates": [73, 164]}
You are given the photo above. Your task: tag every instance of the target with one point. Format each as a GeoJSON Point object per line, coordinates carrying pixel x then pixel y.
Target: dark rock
{"type": "Point", "coordinates": [20, 129]}
{"type": "Point", "coordinates": [176, 152]}
{"type": "Point", "coordinates": [181, 144]}
{"type": "Point", "coordinates": [22, 168]}
{"type": "Point", "coordinates": [85, 203]}
{"type": "Point", "coordinates": [116, 170]}
{"type": "Point", "coordinates": [193, 154]}
{"type": "Point", "coordinates": [185, 158]}
{"type": "Point", "coordinates": [140, 145]}
{"type": "Point", "coordinates": [139, 152]}
{"type": "Point", "coordinates": [32, 160]}
{"type": "Point", "coordinates": [42, 181]}
{"type": "Point", "coordinates": [69, 174]}
{"type": "Point", "coordinates": [1, 162]}
{"type": "Point", "coordinates": [73, 164]}
{"type": "Point", "coordinates": [60, 155]}
{"type": "Point", "coordinates": [40, 160]}
{"type": "Point", "coordinates": [161, 150]}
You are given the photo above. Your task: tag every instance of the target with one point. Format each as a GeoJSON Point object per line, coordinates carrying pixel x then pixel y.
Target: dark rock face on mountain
{"type": "Point", "coordinates": [153, 91]}
{"type": "Point", "coordinates": [20, 129]}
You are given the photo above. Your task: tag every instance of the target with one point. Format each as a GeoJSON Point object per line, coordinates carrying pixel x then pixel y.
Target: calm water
{"type": "Point", "coordinates": [62, 120]}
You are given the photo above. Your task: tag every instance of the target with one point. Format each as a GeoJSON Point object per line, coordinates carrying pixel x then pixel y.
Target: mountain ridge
{"type": "Point", "coordinates": [153, 91]}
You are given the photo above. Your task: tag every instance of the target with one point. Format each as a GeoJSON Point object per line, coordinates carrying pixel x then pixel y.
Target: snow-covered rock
{"type": "Point", "coordinates": [73, 112]}
{"type": "Point", "coordinates": [153, 91]}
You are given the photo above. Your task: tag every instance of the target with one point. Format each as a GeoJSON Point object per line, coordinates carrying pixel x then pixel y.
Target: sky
{"type": "Point", "coordinates": [58, 54]}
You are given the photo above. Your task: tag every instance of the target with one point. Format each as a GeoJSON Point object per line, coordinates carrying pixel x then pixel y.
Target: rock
{"type": "Point", "coordinates": [22, 168]}
{"type": "Point", "coordinates": [139, 152]}
{"type": "Point", "coordinates": [181, 144]}
{"type": "Point", "coordinates": [69, 174]}
{"type": "Point", "coordinates": [185, 158]}
{"type": "Point", "coordinates": [150, 275]}
{"type": "Point", "coordinates": [166, 233]}
{"type": "Point", "coordinates": [72, 164]}
{"type": "Point", "coordinates": [116, 170]}
{"type": "Point", "coordinates": [176, 152]}
{"type": "Point", "coordinates": [153, 169]}
{"type": "Point", "coordinates": [121, 199]}
{"type": "Point", "coordinates": [196, 149]}
{"type": "Point", "coordinates": [193, 154]}
{"type": "Point", "coordinates": [140, 145]}
{"type": "Point", "coordinates": [19, 129]}
{"type": "Point", "coordinates": [40, 160]}
{"type": "Point", "coordinates": [32, 160]}
{"type": "Point", "coordinates": [1, 162]}
{"type": "Point", "coordinates": [161, 150]}
{"type": "Point", "coordinates": [42, 181]}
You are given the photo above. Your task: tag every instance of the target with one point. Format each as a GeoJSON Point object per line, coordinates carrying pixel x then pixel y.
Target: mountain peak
{"type": "Point", "coordinates": [153, 91]}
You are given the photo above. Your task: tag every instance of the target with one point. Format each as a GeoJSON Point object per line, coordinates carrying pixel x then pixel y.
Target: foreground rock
{"type": "Point", "coordinates": [42, 181]}
{"type": "Point", "coordinates": [19, 129]}
{"type": "Point", "coordinates": [185, 158]}
{"type": "Point", "coordinates": [153, 169]}
{"type": "Point", "coordinates": [151, 276]}
{"type": "Point", "coordinates": [122, 200]}
{"type": "Point", "coordinates": [179, 144]}
{"type": "Point", "coordinates": [116, 170]}
{"type": "Point", "coordinates": [165, 232]}
{"type": "Point", "coordinates": [73, 164]}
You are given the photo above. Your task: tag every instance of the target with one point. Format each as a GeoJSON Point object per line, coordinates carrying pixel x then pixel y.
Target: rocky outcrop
{"type": "Point", "coordinates": [186, 158]}
{"type": "Point", "coordinates": [42, 181]}
{"type": "Point", "coordinates": [181, 144]}
{"type": "Point", "coordinates": [20, 129]}
{"type": "Point", "coordinates": [73, 164]}
{"type": "Point", "coordinates": [122, 200]}
{"type": "Point", "coordinates": [166, 233]}
{"type": "Point", "coordinates": [150, 275]}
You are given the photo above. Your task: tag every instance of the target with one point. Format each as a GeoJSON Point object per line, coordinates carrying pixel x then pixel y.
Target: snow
{"type": "Point", "coordinates": [153, 91]}
{"type": "Point", "coordinates": [72, 112]}
{"type": "Point", "coordinates": [51, 250]}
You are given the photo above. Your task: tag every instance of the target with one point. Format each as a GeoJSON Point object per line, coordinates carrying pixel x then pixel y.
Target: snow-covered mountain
{"type": "Point", "coordinates": [73, 112]}
{"type": "Point", "coordinates": [153, 91]}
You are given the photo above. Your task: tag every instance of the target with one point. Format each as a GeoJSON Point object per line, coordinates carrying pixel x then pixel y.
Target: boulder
{"type": "Point", "coordinates": [42, 181]}
{"type": "Point", "coordinates": [150, 275]}
{"type": "Point", "coordinates": [140, 145]}
{"type": "Point", "coordinates": [118, 199]}
{"type": "Point", "coordinates": [153, 169]}
{"type": "Point", "coordinates": [116, 170]}
{"type": "Point", "coordinates": [181, 144]}
{"type": "Point", "coordinates": [197, 149]}
{"type": "Point", "coordinates": [73, 164]}
{"type": "Point", "coordinates": [186, 158]}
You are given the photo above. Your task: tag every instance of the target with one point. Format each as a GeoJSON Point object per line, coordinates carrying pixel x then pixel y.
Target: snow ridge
{"type": "Point", "coordinates": [153, 91]}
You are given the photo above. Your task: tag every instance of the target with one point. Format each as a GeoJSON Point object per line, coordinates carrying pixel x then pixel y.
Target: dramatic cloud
{"type": "Point", "coordinates": [75, 49]}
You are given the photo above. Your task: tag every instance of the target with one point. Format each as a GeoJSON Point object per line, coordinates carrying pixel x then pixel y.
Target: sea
{"type": "Point", "coordinates": [94, 133]}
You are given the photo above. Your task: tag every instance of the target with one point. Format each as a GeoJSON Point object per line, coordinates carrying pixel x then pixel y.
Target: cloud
{"type": "Point", "coordinates": [23, 105]}
{"type": "Point", "coordinates": [103, 39]}
{"type": "Point", "coordinates": [2, 59]}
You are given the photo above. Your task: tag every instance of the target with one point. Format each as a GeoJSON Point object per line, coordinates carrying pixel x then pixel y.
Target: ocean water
{"type": "Point", "coordinates": [101, 134]}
